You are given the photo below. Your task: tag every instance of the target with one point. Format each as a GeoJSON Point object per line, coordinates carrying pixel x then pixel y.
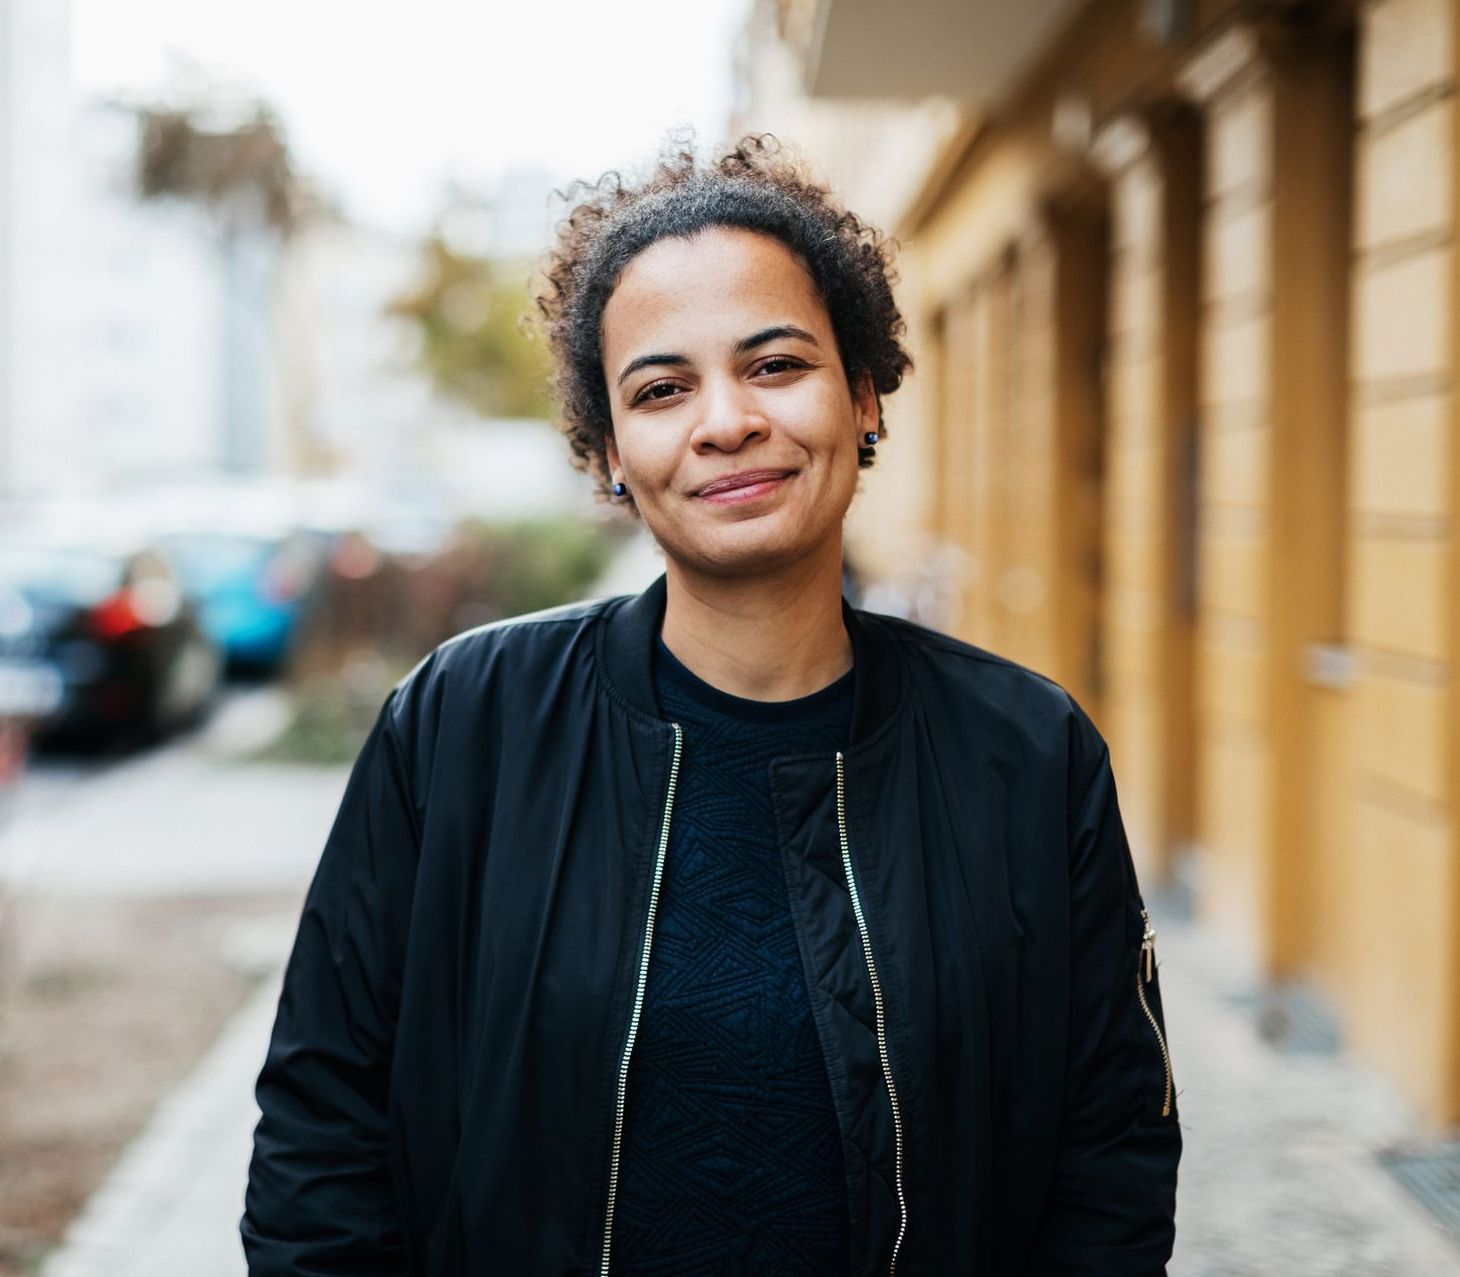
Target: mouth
{"type": "Point", "coordinates": [746, 486]}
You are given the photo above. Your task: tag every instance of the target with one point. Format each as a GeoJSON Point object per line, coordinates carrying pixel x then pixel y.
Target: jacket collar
{"type": "Point", "coordinates": [626, 652]}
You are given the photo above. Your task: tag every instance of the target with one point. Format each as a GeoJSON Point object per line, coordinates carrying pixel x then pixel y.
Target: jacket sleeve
{"type": "Point", "coordinates": [1112, 1202]}
{"type": "Point", "coordinates": [319, 1198]}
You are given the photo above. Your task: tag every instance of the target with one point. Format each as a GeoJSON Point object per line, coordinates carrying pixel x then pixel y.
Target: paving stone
{"type": "Point", "coordinates": [1281, 1175]}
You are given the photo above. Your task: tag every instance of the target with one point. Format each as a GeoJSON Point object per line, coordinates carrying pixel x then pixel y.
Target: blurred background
{"type": "Point", "coordinates": [1181, 288]}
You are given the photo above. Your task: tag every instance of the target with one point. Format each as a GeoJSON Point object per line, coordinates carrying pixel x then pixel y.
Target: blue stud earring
{"type": "Point", "coordinates": [870, 438]}
{"type": "Point", "coordinates": [619, 489]}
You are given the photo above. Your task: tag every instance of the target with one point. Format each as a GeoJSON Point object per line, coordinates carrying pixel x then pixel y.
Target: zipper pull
{"type": "Point", "coordinates": [1148, 943]}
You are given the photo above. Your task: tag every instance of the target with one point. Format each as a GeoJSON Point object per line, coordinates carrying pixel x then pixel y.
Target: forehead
{"type": "Point", "coordinates": [707, 286]}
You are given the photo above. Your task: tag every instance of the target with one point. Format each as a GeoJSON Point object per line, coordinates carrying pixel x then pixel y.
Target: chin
{"type": "Point", "coordinates": [741, 550]}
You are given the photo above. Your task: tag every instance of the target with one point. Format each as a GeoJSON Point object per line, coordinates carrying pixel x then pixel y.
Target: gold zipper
{"type": "Point", "coordinates": [841, 820]}
{"type": "Point", "coordinates": [1143, 978]}
{"type": "Point", "coordinates": [623, 1068]}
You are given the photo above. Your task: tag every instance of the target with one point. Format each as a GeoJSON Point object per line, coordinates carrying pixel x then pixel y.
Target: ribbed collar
{"type": "Point", "coordinates": [626, 652]}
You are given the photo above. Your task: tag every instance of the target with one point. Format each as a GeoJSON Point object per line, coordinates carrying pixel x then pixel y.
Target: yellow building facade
{"type": "Point", "coordinates": [1182, 295]}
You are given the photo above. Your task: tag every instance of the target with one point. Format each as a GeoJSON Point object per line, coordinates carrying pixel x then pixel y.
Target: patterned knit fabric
{"type": "Point", "coordinates": [731, 1157]}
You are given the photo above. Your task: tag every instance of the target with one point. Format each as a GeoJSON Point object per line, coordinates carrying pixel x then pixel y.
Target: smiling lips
{"type": "Point", "coordinates": [745, 486]}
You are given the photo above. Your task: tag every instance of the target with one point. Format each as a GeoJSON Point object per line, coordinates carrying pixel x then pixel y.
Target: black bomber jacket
{"type": "Point", "coordinates": [444, 1091]}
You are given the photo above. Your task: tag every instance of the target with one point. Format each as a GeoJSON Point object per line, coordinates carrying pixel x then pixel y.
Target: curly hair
{"type": "Point", "coordinates": [754, 186]}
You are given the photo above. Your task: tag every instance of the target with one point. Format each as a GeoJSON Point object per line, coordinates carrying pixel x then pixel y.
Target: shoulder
{"type": "Point", "coordinates": [992, 693]}
{"type": "Point", "coordinates": [532, 633]}
{"type": "Point", "coordinates": [976, 670]}
{"type": "Point", "coordinates": [473, 668]}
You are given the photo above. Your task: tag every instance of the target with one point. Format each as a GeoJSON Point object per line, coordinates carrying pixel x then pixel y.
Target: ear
{"type": "Point", "coordinates": [865, 410]}
{"type": "Point", "coordinates": [610, 451]}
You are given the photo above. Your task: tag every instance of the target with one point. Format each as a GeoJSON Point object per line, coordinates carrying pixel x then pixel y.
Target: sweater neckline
{"type": "Point", "coordinates": [812, 708]}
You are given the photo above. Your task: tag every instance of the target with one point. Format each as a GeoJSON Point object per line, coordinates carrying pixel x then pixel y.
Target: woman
{"type": "Point", "coordinates": [725, 928]}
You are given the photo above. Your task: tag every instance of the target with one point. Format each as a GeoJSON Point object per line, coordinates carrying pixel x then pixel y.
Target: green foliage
{"type": "Point", "coordinates": [533, 564]}
{"type": "Point", "coordinates": [469, 313]}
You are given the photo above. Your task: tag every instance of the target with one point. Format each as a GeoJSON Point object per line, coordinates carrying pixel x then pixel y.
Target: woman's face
{"type": "Point", "coordinates": [733, 424]}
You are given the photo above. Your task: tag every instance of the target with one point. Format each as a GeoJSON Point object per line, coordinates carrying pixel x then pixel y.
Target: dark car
{"type": "Point", "coordinates": [97, 643]}
{"type": "Point", "coordinates": [27, 693]}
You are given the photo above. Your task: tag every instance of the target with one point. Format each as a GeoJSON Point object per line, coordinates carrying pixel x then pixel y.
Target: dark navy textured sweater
{"type": "Point", "coordinates": [731, 1159]}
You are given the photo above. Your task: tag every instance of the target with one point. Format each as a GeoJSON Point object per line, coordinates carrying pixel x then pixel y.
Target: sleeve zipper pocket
{"type": "Point", "coordinates": [1144, 973]}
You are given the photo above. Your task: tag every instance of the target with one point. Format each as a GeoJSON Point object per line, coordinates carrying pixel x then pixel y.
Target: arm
{"type": "Point", "coordinates": [1112, 1203]}
{"type": "Point", "coordinates": [319, 1197]}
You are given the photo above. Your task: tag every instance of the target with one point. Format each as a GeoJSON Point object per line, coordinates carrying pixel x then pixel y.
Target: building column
{"type": "Point", "coordinates": [1048, 573]}
{"type": "Point", "coordinates": [1018, 465]}
{"type": "Point", "coordinates": [1153, 163]}
{"type": "Point", "coordinates": [1077, 466]}
{"type": "Point", "coordinates": [990, 445]}
{"type": "Point", "coordinates": [1272, 454]}
{"type": "Point", "coordinates": [1403, 605]}
{"type": "Point", "coordinates": [960, 476]}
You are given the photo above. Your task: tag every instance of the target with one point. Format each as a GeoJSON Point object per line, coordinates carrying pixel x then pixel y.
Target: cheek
{"type": "Point", "coordinates": [835, 432]}
{"type": "Point", "coordinates": [647, 457]}
{"type": "Point", "coordinates": [838, 461]}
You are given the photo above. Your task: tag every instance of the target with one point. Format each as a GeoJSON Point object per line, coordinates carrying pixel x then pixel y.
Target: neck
{"type": "Point", "coordinates": [773, 636]}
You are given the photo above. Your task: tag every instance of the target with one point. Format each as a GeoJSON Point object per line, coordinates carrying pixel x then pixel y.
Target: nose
{"type": "Point", "coordinates": [730, 416]}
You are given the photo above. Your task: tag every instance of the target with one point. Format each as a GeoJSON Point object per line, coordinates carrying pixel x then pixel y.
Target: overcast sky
{"type": "Point", "coordinates": [384, 103]}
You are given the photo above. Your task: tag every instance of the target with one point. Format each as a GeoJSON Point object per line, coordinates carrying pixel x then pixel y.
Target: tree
{"type": "Point", "coordinates": [469, 310]}
{"type": "Point", "coordinates": [241, 172]}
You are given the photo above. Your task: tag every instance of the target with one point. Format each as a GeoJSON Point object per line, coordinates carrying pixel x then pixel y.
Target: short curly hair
{"type": "Point", "coordinates": [754, 186]}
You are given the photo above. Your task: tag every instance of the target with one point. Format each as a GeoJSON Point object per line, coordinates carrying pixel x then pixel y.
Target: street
{"type": "Point", "coordinates": [185, 817]}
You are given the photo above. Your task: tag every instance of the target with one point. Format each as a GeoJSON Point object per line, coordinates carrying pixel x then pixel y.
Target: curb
{"type": "Point", "coordinates": [159, 1210]}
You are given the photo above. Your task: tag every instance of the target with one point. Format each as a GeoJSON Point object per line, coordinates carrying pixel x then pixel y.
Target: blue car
{"type": "Point", "coordinates": [251, 590]}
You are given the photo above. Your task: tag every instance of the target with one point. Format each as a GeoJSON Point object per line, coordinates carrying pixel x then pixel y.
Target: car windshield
{"type": "Point", "coordinates": [60, 574]}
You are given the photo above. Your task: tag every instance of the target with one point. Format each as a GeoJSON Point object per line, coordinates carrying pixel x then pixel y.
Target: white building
{"type": "Point", "coordinates": [138, 343]}
{"type": "Point", "coordinates": [149, 377]}
{"type": "Point", "coordinates": [36, 263]}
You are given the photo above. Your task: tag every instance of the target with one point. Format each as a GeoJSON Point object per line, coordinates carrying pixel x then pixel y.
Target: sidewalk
{"type": "Point", "coordinates": [170, 1207]}
{"type": "Point", "coordinates": [1279, 1177]}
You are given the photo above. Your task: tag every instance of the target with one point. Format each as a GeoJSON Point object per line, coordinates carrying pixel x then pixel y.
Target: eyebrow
{"type": "Point", "coordinates": [743, 346]}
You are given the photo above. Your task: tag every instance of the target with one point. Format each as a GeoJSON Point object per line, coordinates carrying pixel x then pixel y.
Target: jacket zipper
{"type": "Point", "coordinates": [1143, 978]}
{"type": "Point", "coordinates": [623, 1068]}
{"type": "Point", "coordinates": [841, 820]}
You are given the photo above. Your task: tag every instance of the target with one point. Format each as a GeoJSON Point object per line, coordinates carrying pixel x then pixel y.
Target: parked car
{"type": "Point", "coordinates": [251, 589]}
{"type": "Point", "coordinates": [30, 689]}
{"type": "Point", "coordinates": [101, 641]}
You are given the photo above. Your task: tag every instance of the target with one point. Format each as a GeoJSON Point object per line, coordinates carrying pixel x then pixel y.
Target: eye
{"type": "Point", "coordinates": [778, 364]}
{"type": "Point", "coordinates": [655, 390]}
